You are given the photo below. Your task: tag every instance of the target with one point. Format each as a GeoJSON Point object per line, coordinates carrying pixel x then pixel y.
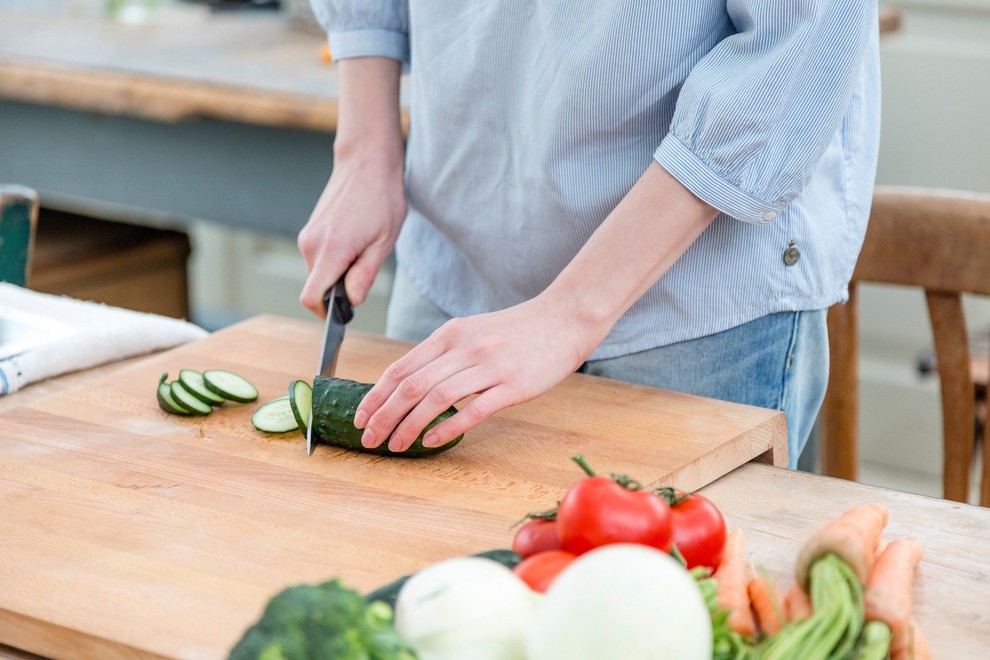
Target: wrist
{"type": "Point", "coordinates": [578, 317]}
{"type": "Point", "coordinates": [369, 124]}
{"type": "Point", "coordinates": [370, 151]}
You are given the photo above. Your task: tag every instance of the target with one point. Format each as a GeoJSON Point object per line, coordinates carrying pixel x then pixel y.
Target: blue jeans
{"type": "Point", "coordinates": [779, 361]}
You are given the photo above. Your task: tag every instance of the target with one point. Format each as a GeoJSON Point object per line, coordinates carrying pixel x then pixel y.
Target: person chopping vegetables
{"type": "Point", "coordinates": [669, 194]}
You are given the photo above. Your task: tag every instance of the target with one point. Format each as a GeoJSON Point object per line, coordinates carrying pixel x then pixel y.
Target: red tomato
{"type": "Point", "coordinates": [699, 531]}
{"type": "Point", "coordinates": [536, 535]}
{"type": "Point", "coordinates": [597, 511]}
{"type": "Point", "coordinates": [539, 570]}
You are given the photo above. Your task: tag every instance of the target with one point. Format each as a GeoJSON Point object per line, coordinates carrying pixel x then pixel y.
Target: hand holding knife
{"type": "Point", "coordinates": [339, 313]}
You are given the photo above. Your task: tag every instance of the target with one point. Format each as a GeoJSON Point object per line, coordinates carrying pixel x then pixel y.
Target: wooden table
{"type": "Point", "coordinates": [168, 540]}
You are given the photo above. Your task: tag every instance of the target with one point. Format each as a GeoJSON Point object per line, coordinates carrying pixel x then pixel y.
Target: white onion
{"type": "Point", "coordinates": [468, 608]}
{"type": "Point", "coordinates": [622, 601]}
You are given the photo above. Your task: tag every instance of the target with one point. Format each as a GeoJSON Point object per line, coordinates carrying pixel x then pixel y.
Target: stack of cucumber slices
{"type": "Point", "coordinates": [197, 393]}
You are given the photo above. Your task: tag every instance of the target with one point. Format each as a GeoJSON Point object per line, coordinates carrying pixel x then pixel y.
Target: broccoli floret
{"type": "Point", "coordinates": [324, 621]}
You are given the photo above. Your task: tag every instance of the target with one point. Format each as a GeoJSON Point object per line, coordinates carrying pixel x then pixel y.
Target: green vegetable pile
{"type": "Point", "coordinates": [327, 620]}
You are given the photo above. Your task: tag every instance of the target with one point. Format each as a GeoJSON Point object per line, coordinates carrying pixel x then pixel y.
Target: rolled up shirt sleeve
{"type": "Point", "coordinates": [365, 28]}
{"type": "Point", "coordinates": [757, 113]}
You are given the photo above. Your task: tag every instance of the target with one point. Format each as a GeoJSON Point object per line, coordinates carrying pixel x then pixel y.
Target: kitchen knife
{"type": "Point", "coordinates": [339, 313]}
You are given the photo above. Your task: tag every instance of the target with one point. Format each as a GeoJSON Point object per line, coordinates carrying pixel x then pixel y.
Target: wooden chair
{"type": "Point", "coordinates": [938, 241]}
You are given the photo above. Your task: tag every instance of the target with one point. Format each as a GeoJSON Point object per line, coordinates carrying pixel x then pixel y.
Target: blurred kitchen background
{"type": "Point", "coordinates": [223, 195]}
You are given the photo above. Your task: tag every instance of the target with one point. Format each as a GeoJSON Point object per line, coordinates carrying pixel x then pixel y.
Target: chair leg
{"type": "Point", "coordinates": [952, 353]}
{"type": "Point", "coordinates": [985, 476]}
{"type": "Point", "coordinates": [840, 411]}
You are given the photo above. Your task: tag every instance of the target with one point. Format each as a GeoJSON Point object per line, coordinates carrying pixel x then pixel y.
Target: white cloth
{"type": "Point", "coordinates": [42, 336]}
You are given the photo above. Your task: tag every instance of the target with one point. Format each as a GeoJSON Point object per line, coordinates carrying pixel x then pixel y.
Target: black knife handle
{"type": "Point", "coordinates": [337, 303]}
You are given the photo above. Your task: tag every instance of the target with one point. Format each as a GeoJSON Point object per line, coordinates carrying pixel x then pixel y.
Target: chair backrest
{"type": "Point", "coordinates": [938, 241]}
{"type": "Point", "coordinates": [18, 217]}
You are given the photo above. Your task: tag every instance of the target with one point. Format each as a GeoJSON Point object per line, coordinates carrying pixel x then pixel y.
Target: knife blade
{"type": "Point", "coordinates": [339, 313]}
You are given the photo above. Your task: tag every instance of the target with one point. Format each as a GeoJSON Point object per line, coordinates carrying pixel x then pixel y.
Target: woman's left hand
{"type": "Point", "coordinates": [506, 357]}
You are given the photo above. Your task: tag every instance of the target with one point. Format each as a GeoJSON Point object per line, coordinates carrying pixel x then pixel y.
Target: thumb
{"type": "Point", "coordinates": [362, 273]}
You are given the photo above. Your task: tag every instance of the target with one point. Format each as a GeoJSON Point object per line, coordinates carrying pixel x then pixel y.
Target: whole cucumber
{"type": "Point", "coordinates": [334, 402]}
{"type": "Point", "coordinates": [390, 592]}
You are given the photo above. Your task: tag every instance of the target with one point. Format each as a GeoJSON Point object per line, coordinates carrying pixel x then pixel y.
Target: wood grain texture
{"type": "Point", "coordinates": [937, 241]}
{"type": "Point", "coordinates": [129, 532]}
{"type": "Point", "coordinates": [779, 509]}
{"type": "Point", "coordinates": [249, 67]}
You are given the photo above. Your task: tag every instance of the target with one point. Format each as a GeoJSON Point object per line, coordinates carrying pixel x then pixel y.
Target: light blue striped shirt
{"type": "Point", "coordinates": [531, 119]}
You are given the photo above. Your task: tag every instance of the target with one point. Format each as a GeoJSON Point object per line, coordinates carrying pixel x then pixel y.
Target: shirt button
{"type": "Point", "coordinates": [791, 255]}
{"type": "Point", "coordinates": [768, 215]}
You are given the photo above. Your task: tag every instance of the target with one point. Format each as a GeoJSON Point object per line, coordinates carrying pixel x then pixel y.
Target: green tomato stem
{"type": "Point", "coordinates": [579, 459]}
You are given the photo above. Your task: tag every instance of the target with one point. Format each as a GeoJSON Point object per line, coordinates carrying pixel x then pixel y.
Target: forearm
{"type": "Point", "coordinates": [368, 118]}
{"type": "Point", "coordinates": [639, 241]}
{"type": "Point", "coordinates": [355, 222]}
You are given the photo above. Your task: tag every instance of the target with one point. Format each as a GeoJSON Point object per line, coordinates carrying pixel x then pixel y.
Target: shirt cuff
{"type": "Point", "coordinates": [369, 43]}
{"type": "Point", "coordinates": [710, 187]}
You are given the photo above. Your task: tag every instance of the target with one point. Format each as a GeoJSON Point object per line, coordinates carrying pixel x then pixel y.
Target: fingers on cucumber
{"type": "Point", "coordinates": [197, 393]}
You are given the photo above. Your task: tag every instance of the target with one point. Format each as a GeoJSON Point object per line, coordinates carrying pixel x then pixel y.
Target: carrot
{"type": "Point", "coordinates": [767, 604]}
{"type": "Point", "coordinates": [797, 603]}
{"type": "Point", "coordinates": [918, 650]}
{"type": "Point", "coordinates": [888, 591]}
{"type": "Point", "coordinates": [853, 536]}
{"type": "Point", "coordinates": [730, 579]}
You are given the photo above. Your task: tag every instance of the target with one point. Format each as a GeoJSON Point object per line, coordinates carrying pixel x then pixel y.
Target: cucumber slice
{"type": "Point", "coordinates": [165, 399]}
{"type": "Point", "coordinates": [229, 385]}
{"type": "Point", "coordinates": [301, 402]}
{"type": "Point", "coordinates": [186, 399]}
{"type": "Point", "coordinates": [193, 380]}
{"type": "Point", "coordinates": [275, 416]}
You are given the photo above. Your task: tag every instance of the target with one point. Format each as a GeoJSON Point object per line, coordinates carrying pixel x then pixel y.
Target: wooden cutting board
{"type": "Point", "coordinates": [128, 532]}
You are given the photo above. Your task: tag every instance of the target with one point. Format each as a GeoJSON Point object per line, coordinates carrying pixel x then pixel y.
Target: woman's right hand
{"type": "Point", "coordinates": [357, 218]}
{"type": "Point", "coordinates": [353, 228]}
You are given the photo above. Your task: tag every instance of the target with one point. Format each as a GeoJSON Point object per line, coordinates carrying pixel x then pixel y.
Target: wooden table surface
{"type": "Point", "coordinates": [251, 67]}
{"type": "Point", "coordinates": [777, 509]}
{"type": "Point", "coordinates": [128, 531]}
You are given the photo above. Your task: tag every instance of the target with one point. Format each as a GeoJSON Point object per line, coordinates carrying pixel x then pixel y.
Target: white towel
{"type": "Point", "coordinates": [42, 336]}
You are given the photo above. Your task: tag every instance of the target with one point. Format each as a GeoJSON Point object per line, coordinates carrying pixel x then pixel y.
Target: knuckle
{"type": "Point", "coordinates": [380, 425]}
{"type": "Point", "coordinates": [449, 333]}
{"type": "Point", "coordinates": [484, 347]}
{"type": "Point", "coordinates": [413, 387]}
{"type": "Point", "coordinates": [396, 371]}
{"type": "Point", "coordinates": [442, 395]}
{"type": "Point", "coordinates": [371, 401]}
{"type": "Point", "coordinates": [477, 410]}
